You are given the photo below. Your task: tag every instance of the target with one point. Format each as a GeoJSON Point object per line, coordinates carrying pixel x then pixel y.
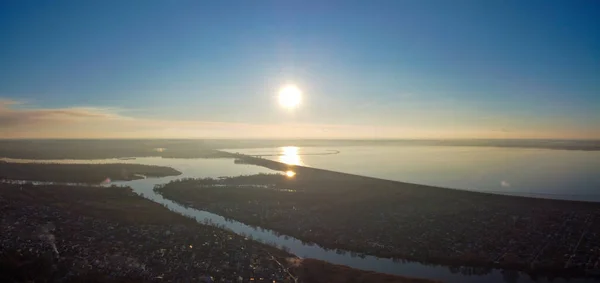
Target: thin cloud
{"type": "Point", "coordinates": [7, 102]}
{"type": "Point", "coordinates": [21, 120]}
{"type": "Point", "coordinates": [90, 122]}
{"type": "Point", "coordinates": [12, 117]}
{"type": "Point", "coordinates": [82, 122]}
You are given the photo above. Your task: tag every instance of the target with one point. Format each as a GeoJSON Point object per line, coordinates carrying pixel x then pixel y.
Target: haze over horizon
{"type": "Point", "coordinates": [382, 69]}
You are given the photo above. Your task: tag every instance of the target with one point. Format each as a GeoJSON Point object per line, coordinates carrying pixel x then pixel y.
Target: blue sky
{"type": "Point", "coordinates": [406, 69]}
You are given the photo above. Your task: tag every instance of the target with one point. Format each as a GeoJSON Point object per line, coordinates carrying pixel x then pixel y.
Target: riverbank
{"type": "Point", "coordinates": [115, 233]}
{"type": "Point", "coordinates": [59, 232]}
{"type": "Point", "coordinates": [399, 220]}
{"type": "Point", "coordinates": [81, 173]}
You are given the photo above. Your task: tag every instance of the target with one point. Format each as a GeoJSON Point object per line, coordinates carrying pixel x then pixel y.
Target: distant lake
{"type": "Point", "coordinates": [562, 174]}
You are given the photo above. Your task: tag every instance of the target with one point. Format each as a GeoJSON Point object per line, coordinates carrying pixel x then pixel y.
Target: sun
{"type": "Point", "coordinates": [290, 96]}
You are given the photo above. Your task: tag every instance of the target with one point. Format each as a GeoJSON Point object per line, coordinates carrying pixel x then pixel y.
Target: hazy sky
{"type": "Point", "coordinates": [368, 69]}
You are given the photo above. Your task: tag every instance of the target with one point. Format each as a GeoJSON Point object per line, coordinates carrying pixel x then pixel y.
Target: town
{"type": "Point", "coordinates": [414, 222]}
{"type": "Point", "coordinates": [59, 233]}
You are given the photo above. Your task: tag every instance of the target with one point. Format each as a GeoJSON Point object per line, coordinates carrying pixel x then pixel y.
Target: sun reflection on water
{"type": "Point", "coordinates": [289, 155]}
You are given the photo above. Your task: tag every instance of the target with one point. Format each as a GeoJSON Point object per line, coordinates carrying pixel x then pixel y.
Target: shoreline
{"type": "Point", "coordinates": [549, 272]}
{"type": "Point", "coordinates": [554, 270]}
{"type": "Point", "coordinates": [331, 174]}
{"type": "Point", "coordinates": [213, 148]}
{"type": "Point", "coordinates": [82, 173]}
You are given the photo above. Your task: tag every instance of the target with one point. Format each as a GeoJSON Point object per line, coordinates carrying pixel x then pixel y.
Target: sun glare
{"type": "Point", "coordinates": [290, 96]}
{"type": "Point", "coordinates": [289, 155]}
{"type": "Point", "coordinates": [290, 174]}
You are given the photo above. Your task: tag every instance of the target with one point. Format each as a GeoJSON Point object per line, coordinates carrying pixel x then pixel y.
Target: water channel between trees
{"type": "Point", "coordinates": [201, 168]}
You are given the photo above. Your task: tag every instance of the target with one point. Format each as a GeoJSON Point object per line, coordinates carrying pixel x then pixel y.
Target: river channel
{"type": "Point", "coordinates": [200, 168]}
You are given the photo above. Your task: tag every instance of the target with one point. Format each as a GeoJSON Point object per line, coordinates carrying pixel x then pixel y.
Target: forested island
{"type": "Point", "coordinates": [81, 173]}
{"type": "Point", "coordinates": [407, 221]}
{"type": "Point", "coordinates": [103, 149]}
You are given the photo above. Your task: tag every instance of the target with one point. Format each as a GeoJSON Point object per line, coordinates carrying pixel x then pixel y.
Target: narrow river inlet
{"type": "Point", "coordinates": [220, 167]}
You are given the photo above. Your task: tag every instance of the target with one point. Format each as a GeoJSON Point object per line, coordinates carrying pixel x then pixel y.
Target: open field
{"type": "Point", "coordinates": [399, 220]}
{"type": "Point", "coordinates": [110, 234]}
{"type": "Point", "coordinates": [81, 173]}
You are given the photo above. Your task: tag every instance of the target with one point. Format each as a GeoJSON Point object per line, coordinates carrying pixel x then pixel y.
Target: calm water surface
{"type": "Point", "coordinates": [537, 172]}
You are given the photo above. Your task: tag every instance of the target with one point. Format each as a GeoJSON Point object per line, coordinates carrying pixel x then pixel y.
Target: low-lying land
{"type": "Point", "coordinates": [208, 148]}
{"type": "Point", "coordinates": [399, 220]}
{"type": "Point", "coordinates": [101, 149]}
{"type": "Point", "coordinates": [58, 233]}
{"type": "Point", "coordinates": [81, 173]}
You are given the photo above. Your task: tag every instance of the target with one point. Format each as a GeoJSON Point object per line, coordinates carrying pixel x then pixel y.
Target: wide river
{"type": "Point", "coordinates": [562, 174]}
{"type": "Point", "coordinates": [570, 174]}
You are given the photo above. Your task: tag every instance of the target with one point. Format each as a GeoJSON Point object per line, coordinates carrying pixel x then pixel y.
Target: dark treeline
{"type": "Point", "coordinates": [100, 149]}
{"type": "Point", "coordinates": [81, 173]}
{"type": "Point", "coordinates": [58, 233]}
{"type": "Point", "coordinates": [24, 266]}
{"type": "Point", "coordinates": [316, 271]}
{"type": "Point", "coordinates": [258, 179]}
{"type": "Point", "coordinates": [415, 222]}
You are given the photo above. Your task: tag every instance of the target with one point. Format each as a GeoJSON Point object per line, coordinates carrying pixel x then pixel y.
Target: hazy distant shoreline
{"type": "Point", "coordinates": [209, 148]}
{"type": "Point", "coordinates": [587, 145]}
